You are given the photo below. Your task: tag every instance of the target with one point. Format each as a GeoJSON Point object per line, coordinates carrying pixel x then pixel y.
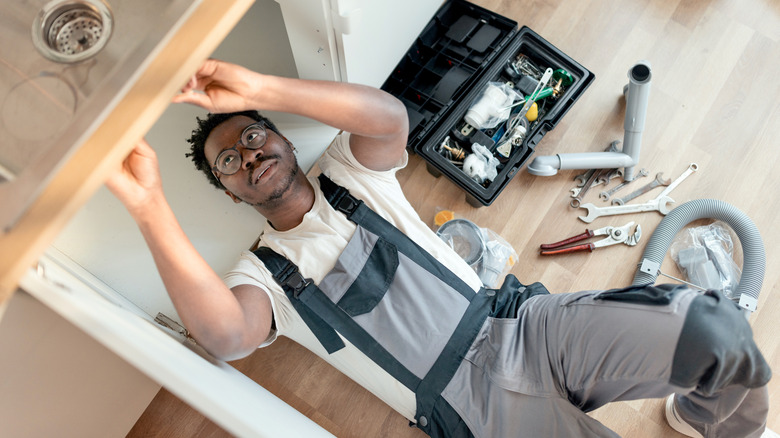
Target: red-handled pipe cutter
{"type": "Point", "coordinates": [615, 235]}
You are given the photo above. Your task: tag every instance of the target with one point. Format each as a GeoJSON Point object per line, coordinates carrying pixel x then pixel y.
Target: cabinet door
{"type": "Point", "coordinates": [357, 41]}
{"type": "Point", "coordinates": [217, 390]}
{"type": "Point", "coordinates": [373, 35]}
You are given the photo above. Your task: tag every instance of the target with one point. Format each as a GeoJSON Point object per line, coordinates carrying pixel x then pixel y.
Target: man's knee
{"type": "Point", "coordinates": [716, 348]}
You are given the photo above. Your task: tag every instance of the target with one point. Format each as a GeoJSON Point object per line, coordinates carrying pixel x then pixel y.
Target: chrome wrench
{"type": "Point", "coordinates": [578, 193]}
{"type": "Point", "coordinates": [604, 196]}
{"type": "Point", "coordinates": [583, 178]}
{"type": "Point", "coordinates": [693, 167]}
{"type": "Point", "coordinates": [609, 176]}
{"type": "Point", "coordinates": [658, 181]}
{"type": "Point", "coordinates": [660, 204]}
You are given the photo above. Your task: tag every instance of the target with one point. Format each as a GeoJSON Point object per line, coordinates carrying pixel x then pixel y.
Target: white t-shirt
{"type": "Point", "coordinates": [316, 244]}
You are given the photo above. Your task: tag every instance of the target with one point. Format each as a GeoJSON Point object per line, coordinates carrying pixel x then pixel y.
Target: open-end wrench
{"type": "Point", "coordinates": [578, 193]}
{"type": "Point", "coordinates": [658, 181]}
{"type": "Point", "coordinates": [604, 196]}
{"type": "Point", "coordinates": [583, 177]}
{"type": "Point", "coordinates": [660, 204]}
{"type": "Point", "coordinates": [693, 167]}
{"type": "Point", "coordinates": [605, 178]}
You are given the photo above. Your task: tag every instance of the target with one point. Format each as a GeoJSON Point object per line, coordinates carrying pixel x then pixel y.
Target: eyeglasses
{"type": "Point", "coordinates": [229, 160]}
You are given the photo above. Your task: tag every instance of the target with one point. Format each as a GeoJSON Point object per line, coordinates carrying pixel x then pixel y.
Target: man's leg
{"type": "Point", "coordinates": [739, 405]}
{"type": "Point", "coordinates": [630, 344]}
{"type": "Point", "coordinates": [586, 349]}
{"type": "Point", "coordinates": [721, 361]}
{"type": "Point", "coordinates": [591, 348]}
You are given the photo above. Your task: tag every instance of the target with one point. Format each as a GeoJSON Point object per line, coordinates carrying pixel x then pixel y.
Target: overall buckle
{"type": "Point", "coordinates": [297, 283]}
{"type": "Point", "coordinates": [347, 205]}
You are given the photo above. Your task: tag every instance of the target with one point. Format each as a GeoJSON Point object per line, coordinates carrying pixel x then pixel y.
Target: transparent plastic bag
{"type": "Point", "coordinates": [488, 254]}
{"type": "Point", "coordinates": [499, 258]}
{"type": "Point", "coordinates": [492, 107]}
{"type": "Point", "coordinates": [705, 255]}
{"type": "Point", "coordinates": [481, 165]}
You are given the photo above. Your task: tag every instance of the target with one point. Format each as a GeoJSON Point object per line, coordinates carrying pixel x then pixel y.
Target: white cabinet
{"type": "Point", "coordinates": [353, 40]}
{"type": "Point", "coordinates": [216, 389]}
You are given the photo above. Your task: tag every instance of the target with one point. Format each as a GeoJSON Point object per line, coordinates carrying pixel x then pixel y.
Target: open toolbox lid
{"type": "Point", "coordinates": [448, 58]}
{"type": "Point", "coordinates": [463, 49]}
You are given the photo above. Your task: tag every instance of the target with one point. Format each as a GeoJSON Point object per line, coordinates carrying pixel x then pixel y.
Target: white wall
{"type": "Point", "coordinates": [102, 237]}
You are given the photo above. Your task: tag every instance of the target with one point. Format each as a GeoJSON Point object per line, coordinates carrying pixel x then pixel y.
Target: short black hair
{"type": "Point", "coordinates": [199, 135]}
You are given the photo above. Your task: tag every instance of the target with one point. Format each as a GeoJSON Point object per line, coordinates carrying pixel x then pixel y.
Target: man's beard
{"type": "Point", "coordinates": [285, 184]}
{"type": "Point", "coordinates": [281, 190]}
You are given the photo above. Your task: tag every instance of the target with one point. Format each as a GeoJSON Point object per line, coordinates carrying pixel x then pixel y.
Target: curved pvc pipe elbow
{"type": "Point", "coordinates": [546, 165]}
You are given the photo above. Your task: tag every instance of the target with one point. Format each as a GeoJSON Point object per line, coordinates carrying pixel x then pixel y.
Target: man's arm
{"type": "Point", "coordinates": [377, 121]}
{"type": "Point", "coordinates": [228, 324]}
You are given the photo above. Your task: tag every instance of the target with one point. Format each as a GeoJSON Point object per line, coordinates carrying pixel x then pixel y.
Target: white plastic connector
{"type": "Point", "coordinates": [747, 302]}
{"type": "Point", "coordinates": [650, 267]}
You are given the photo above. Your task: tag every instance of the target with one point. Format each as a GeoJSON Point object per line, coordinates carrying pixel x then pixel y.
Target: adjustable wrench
{"type": "Point", "coordinates": [660, 204]}
{"type": "Point", "coordinates": [658, 181]}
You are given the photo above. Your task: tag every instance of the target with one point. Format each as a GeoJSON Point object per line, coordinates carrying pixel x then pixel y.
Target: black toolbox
{"type": "Point", "coordinates": [462, 52]}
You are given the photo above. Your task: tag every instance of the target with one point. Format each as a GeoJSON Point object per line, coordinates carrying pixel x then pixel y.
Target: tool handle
{"type": "Point", "coordinates": [583, 247]}
{"type": "Point", "coordinates": [577, 238]}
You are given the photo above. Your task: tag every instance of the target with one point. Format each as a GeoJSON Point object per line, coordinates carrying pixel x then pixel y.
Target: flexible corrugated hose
{"type": "Point", "coordinates": [754, 258]}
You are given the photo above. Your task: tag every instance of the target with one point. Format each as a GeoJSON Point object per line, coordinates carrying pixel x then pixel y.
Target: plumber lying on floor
{"type": "Point", "coordinates": [346, 268]}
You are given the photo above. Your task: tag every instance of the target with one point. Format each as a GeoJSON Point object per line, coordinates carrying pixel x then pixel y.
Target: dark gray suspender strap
{"type": "Point", "coordinates": [310, 303]}
{"type": "Point", "coordinates": [431, 387]}
{"type": "Point", "coordinates": [356, 211]}
{"type": "Point", "coordinates": [343, 323]}
{"type": "Point", "coordinates": [293, 283]}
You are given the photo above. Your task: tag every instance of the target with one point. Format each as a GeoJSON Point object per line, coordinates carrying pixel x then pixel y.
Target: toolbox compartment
{"type": "Point", "coordinates": [460, 52]}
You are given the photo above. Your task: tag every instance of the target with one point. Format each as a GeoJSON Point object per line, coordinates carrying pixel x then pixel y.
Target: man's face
{"type": "Point", "coordinates": [266, 174]}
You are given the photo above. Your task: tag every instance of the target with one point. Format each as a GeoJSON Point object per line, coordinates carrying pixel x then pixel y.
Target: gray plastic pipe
{"type": "Point", "coordinates": [754, 258]}
{"type": "Point", "coordinates": [637, 93]}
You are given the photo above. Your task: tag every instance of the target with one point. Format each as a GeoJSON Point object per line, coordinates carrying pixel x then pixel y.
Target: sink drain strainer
{"type": "Point", "coordinates": [72, 30]}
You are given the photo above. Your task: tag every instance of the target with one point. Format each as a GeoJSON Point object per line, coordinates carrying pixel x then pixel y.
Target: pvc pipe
{"type": "Point", "coordinates": [636, 93]}
{"type": "Point", "coordinates": [597, 160]}
{"type": "Point", "coordinates": [754, 258]}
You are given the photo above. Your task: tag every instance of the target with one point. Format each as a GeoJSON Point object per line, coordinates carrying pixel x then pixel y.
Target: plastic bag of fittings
{"type": "Point", "coordinates": [488, 254]}
{"type": "Point", "coordinates": [705, 256]}
{"type": "Point", "coordinates": [492, 107]}
{"type": "Point", "coordinates": [480, 165]}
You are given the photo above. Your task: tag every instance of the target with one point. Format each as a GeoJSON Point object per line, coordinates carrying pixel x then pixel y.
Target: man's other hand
{"type": "Point", "coordinates": [220, 87]}
{"type": "Point", "coordinates": [136, 181]}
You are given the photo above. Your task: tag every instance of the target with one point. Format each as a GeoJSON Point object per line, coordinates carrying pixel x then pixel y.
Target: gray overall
{"type": "Point", "coordinates": [498, 363]}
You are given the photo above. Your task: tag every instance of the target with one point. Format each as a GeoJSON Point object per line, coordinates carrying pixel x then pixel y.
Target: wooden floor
{"type": "Point", "coordinates": [715, 101]}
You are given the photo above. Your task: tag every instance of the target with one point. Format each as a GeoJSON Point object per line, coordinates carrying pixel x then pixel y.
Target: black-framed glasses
{"type": "Point", "coordinates": [229, 160]}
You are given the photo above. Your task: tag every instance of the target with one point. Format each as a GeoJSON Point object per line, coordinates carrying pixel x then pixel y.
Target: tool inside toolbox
{"type": "Point", "coordinates": [499, 119]}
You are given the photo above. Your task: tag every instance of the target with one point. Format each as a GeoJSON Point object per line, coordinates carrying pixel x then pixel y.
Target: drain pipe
{"type": "Point", "coordinates": [636, 93]}
{"type": "Point", "coordinates": [754, 258]}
